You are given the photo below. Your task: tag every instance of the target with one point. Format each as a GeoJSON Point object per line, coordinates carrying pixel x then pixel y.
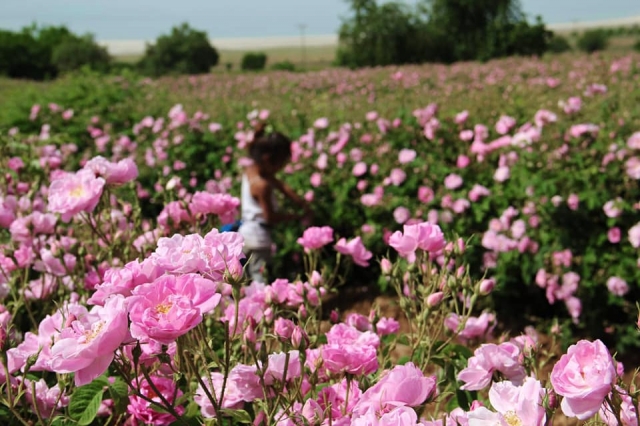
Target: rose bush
{"type": "Point", "coordinates": [122, 303]}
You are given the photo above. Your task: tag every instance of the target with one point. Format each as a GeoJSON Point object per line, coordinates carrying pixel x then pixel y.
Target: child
{"type": "Point", "coordinates": [270, 152]}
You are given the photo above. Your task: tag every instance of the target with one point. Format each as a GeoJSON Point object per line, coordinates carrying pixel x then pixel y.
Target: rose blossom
{"type": "Point", "coordinates": [86, 346]}
{"type": "Point", "coordinates": [355, 249]}
{"type": "Point", "coordinates": [170, 306]}
{"type": "Point", "coordinates": [584, 377]}
{"type": "Point", "coordinates": [75, 193]}
{"type": "Point", "coordinates": [316, 237]}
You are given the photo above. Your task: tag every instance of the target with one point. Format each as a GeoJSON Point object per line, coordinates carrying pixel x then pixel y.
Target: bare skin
{"type": "Point", "coordinates": [263, 182]}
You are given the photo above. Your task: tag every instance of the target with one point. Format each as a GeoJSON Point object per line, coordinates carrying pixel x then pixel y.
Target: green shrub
{"type": "Point", "coordinates": [74, 53]}
{"type": "Point", "coordinates": [41, 53]}
{"type": "Point", "coordinates": [183, 51]}
{"type": "Point", "coordinates": [253, 61]}
{"type": "Point", "coordinates": [559, 44]}
{"type": "Point", "coordinates": [283, 66]}
{"type": "Point", "coordinates": [636, 46]}
{"type": "Point", "coordinates": [593, 41]}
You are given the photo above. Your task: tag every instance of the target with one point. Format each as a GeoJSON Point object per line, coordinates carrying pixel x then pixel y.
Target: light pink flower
{"type": "Point", "coordinates": [424, 236]}
{"type": "Point", "coordinates": [628, 412]}
{"type": "Point", "coordinates": [584, 377]}
{"type": "Point", "coordinates": [613, 208]}
{"type": "Point", "coordinates": [404, 385]}
{"type": "Point", "coordinates": [113, 173]}
{"type": "Point", "coordinates": [316, 237]}
{"type": "Point", "coordinates": [397, 176]}
{"type": "Point", "coordinates": [425, 194]}
{"type": "Point", "coordinates": [75, 193]}
{"type": "Point", "coordinates": [634, 235]}
{"type": "Point", "coordinates": [477, 192]}
{"type": "Point", "coordinates": [87, 344]}
{"type": "Point", "coordinates": [406, 156]}
{"type": "Point", "coordinates": [356, 249]}
{"type": "Point", "coordinates": [47, 400]}
{"type": "Point", "coordinates": [359, 169]}
{"type": "Point", "coordinates": [170, 306]}
{"type": "Point", "coordinates": [401, 214]}
{"type": "Point", "coordinates": [502, 173]}
{"type": "Point", "coordinates": [474, 327]}
{"type": "Point", "coordinates": [513, 405]}
{"type": "Point", "coordinates": [505, 124]}
{"type": "Point", "coordinates": [617, 286]}
{"type": "Point", "coordinates": [486, 360]}
{"type": "Point", "coordinates": [321, 123]}
{"type": "Point", "coordinates": [453, 181]}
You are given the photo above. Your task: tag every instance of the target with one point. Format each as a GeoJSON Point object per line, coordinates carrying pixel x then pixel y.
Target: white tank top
{"type": "Point", "coordinates": [253, 229]}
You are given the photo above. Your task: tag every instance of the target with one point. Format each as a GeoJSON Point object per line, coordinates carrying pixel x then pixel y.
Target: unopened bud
{"type": "Point", "coordinates": [299, 337]}
{"type": "Point", "coordinates": [434, 299]}
{"type": "Point", "coordinates": [386, 266]}
{"type": "Point", "coordinates": [249, 335]}
{"type": "Point", "coordinates": [486, 286]}
{"type": "Point", "coordinates": [334, 317]}
{"type": "Point", "coordinates": [552, 402]}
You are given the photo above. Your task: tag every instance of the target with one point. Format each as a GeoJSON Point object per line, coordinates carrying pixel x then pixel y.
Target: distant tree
{"type": "Point", "coordinates": [31, 52]}
{"type": "Point", "coordinates": [283, 66]}
{"type": "Point", "coordinates": [437, 31]}
{"type": "Point", "coordinates": [380, 35]}
{"type": "Point", "coordinates": [559, 44]}
{"type": "Point", "coordinates": [75, 53]}
{"type": "Point", "coordinates": [183, 51]}
{"type": "Point", "coordinates": [593, 40]}
{"type": "Point", "coordinates": [484, 29]}
{"type": "Point", "coordinates": [253, 61]}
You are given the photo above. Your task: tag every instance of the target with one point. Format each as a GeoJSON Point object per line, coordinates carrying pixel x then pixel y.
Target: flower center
{"type": "Point", "coordinates": [512, 419]}
{"type": "Point", "coordinates": [163, 308]}
{"type": "Point", "coordinates": [77, 192]}
{"type": "Point", "coordinates": [96, 328]}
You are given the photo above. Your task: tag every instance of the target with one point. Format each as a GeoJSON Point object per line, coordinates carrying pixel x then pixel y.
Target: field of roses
{"type": "Point", "coordinates": [496, 205]}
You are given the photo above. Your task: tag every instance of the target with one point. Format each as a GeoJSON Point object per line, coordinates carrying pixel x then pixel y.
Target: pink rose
{"type": "Point", "coordinates": [584, 377]}
{"type": "Point", "coordinates": [404, 385]}
{"type": "Point", "coordinates": [113, 173]}
{"type": "Point", "coordinates": [86, 346]}
{"type": "Point", "coordinates": [170, 306]}
{"type": "Point", "coordinates": [316, 237]}
{"type": "Point", "coordinates": [406, 156]}
{"type": "Point", "coordinates": [355, 249]}
{"type": "Point", "coordinates": [75, 193]}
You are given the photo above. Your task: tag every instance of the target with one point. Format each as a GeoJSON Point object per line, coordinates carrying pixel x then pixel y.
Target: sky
{"type": "Point", "coordinates": [146, 19]}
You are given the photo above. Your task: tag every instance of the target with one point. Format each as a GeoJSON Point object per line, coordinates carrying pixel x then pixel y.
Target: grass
{"type": "Point", "coordinates": [313, 57]}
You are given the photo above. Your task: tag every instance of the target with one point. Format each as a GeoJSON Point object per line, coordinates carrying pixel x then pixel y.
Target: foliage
{"type": "Point", "coordinates": [559, 44]}
{"type": "Point", "coordinates": [438, 31]}
{"type": "Point", "coordinates": [75, 53]}
{"type": "Point", "coordinates": [40, 53]}
{"type": "Point", "coordinates": [283, 66]}
{"type": "Point", "coordinates": [380, 35]}
{"type": "Point", "coordinates": [253, 61]}
{"type": "Point", "coordinates": [636, 45]}
{"type": "Point", "coordinates": [593, 40]}
{"type": "Point", "coordinates": [183, 51]}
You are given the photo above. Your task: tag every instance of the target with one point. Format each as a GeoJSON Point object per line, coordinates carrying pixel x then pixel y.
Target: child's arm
{"type": "Point", "coordinates": [262, 192]}
{"type": "Point", "coordinates": [293, 196]}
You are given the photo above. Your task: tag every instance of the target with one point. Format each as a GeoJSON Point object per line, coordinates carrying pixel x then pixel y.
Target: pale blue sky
{"type": "Point", "coordinates": [146, 19]}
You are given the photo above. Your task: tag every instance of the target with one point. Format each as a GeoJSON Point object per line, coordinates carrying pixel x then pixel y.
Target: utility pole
{"type": "Point", "coordinates": [303, 45]}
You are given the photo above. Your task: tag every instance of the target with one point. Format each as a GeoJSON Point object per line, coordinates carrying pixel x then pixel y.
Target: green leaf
{"type": "Point", "coordinates": [119, 392]}
{"type": "Point", "coordinates": [463, 400]}
{"type": "Point", "coordinates": [239, 416]}
{"type": "Point", "coordinates": [86, 400]}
